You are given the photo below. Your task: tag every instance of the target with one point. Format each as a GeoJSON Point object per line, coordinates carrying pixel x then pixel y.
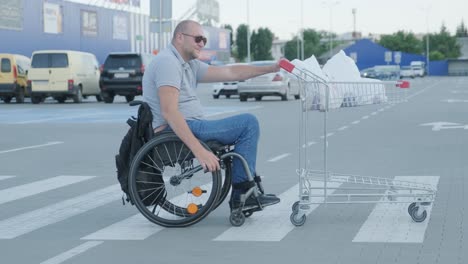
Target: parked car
{"type": "Point", "coordinates": [406, 72]}
{"type": "Point", "coordinates": [418, 68]}
{"type": "Point", "coordinates": [13, 77]}
{"type": "Point", "coordinates": [270, 84]}
{"type": "Point", "coordinates": [382, 72]}
{"type": "Point", "coordinates": [122, 74]}
{"type": "Point", "coordinates": [226, 88]}
{"type": "Point", "coordinates": [63, 74]}
{"type": "Point", "coordinates": [369, 73]}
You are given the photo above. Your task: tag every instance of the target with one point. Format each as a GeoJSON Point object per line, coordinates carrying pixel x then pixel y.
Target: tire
{"type": "Point", "coordinates": [129, 98]}
{"type": "Point", "coordinates": [228, 96]}
{"type": "Point", "coordinates": [98, 98]}
{"type": "Point", "coordinates": [258, 98]}
{"type": "Point", "coordinates": [297, 221]}
{"type": "Point", "coordinates": [179, 202]}
{"type": "Point", "coordinates": [243, 98]}
{"type": "Point", "coordinates": [78, 96]}
{"type": "Point", "coordinates": [108, 98]}
{"type": "Point", "coordinates": [7, 99]}
{"type": "Point", "coordinates": [297, 96]}
{"type": "Point", "coordinates": [284, 97]}
{"type": "Point", "coordinates": [418, 218]}
{"type": "Point", "coordinates": [20, 95]}
{"type": "Point", "coordinates": [61, 99]}
{"type": "Point", "coordinates": [215, 96]}
{"type": "Point", "coordinates": [36, 99]}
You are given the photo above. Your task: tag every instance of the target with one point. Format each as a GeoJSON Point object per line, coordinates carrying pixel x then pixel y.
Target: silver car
{"type": "Point", "coordinates": [226, 88]}
{"type": "Point", "coordinates": [270, 84]}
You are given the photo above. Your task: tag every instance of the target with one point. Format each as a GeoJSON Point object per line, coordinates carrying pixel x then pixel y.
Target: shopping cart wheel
{"type": "Point", "coordinates": [297, 221]}
{"type": "Point", "coordinates": [295, 206]}
{"type": "Point", "coordinates": [416, 216]}
{"type": "Point", "coordinates": [410, 207]}
{"type": "Point", "coordinates": [237, 218]}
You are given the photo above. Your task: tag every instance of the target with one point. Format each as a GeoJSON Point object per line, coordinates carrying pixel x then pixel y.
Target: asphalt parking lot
{"type": "Point", "coordinates": [60, 202]}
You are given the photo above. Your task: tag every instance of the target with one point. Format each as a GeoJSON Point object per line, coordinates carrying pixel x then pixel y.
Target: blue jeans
{"type": "Point", "coordinates": [241, 130]}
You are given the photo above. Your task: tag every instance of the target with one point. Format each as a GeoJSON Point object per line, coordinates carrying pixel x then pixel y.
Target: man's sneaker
{"type": "Point", "coordinates": [252, 202]}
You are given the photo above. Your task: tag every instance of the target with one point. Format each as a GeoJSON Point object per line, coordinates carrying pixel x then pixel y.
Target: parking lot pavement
{"type": "Point", "coordinates": [61, 203]}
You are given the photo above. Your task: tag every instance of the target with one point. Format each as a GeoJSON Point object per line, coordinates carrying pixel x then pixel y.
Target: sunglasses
{"type": "Point", "coordinates": [197, 38]}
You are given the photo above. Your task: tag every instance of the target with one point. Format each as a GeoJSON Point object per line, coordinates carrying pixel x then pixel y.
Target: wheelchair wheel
{"type": "Point", "coordinates": [226, 184]}
{"type": "Point", "coordinates": [167, 184]}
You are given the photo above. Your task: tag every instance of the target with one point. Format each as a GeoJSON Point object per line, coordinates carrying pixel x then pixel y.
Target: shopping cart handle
{"type": "Point", "coordinates": [286, 65]}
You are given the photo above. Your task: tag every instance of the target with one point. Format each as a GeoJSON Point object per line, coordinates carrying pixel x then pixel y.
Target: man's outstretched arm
{"type": "Point", "coordinates": [237, 72]}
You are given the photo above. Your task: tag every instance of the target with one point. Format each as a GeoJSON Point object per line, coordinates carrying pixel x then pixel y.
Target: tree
{"type": "Point", "coordinates": [444, 43]}
{"type": "Point", "coordinates": [228, 27]}
{"type": "Point", "coordinates": [402, 41]}
{"type": "Point", "coordinates": [241, 41]}
{"type": "Point", "coordinates": [312, 45]}
{"type": "Point", "coordinates": [462, 31]}
{"type": "Point", "coordinates": [261, 43]}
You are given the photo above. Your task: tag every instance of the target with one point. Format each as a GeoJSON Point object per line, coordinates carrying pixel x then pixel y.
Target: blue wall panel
{"type": "Point", "coordinates": [439, 68]}
{"type": "Point", "coordinates": [370, 54]}
{"type": "Point", "coordinates": [32, 36]}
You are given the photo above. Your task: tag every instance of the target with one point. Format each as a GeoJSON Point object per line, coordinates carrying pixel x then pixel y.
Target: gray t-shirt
{"type": "Point", "coordinates": [168, 68]}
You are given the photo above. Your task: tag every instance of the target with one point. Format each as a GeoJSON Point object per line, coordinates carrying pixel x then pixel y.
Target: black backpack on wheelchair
{"type": "Point", "coordinates": [140, 132]}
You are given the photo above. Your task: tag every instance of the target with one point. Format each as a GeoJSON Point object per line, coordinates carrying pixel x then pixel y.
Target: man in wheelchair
{"type": "Point", "coordinates": [169, 88]}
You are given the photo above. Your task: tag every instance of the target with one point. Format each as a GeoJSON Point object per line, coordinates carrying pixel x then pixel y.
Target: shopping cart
{"type": "Point", "coordinates": [324, 186]}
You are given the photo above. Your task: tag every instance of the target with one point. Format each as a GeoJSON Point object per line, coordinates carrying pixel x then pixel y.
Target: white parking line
{"type": "Point", "coordinates": [391, 223]}
{"type": "Point", "coordinates": [31, 147]}
{"type": "Point", "coordinates": [365, 117]}
{"type": "Point", "coordinates": [136, 227]}
{"type": "Point", "coordinates": [26, 190]}
{"type": "Point", "coordinates": [28, 222]}
{"type": "Point", "coordinates": [342, 128]}
{"type": "Point", "coordinates": [282, 156]}
{"type": "Point", "coordinates": [72, 252]}
{"type": "Point", "coordinates": [4, 177]}
{"type": "Point", "coordinates": [70, 117]}
{"type": "Point", "coordinates": [374, 113]}
{"type": "Point", "coordinates": [356, 122]}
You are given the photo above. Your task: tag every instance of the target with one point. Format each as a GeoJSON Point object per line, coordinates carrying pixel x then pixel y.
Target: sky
{"type": "Point", "coordinates": [283, 17]}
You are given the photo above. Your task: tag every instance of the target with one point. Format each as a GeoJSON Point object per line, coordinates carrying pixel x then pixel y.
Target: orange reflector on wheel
{"type": "Point", "coordinates": [197, 191]}
{"type": "Point", "coordinates": [192, 208]}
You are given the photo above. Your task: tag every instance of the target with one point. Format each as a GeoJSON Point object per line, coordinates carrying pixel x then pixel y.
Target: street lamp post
{"type": "Point", "coordinates": [426, 10]}
{"type": "Point", "coordinates": [248, 31]}
{"type": "Point", "coordinates": [330, 39]}
{"type": "Point", "coordinates": [302, 29]}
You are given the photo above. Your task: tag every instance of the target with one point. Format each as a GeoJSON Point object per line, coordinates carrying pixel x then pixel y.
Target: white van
{"type": "Point", "coordinates": [418, 68]}
{"type": "Point", "coordinates": [63, 74]}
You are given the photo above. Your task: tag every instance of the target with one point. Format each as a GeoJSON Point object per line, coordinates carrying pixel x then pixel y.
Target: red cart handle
{"type": "Point", "coordinates": [286, 65]}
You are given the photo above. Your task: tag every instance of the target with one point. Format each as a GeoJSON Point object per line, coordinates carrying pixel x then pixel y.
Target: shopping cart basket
{"type": "Point", "coordinates": [321, 95]}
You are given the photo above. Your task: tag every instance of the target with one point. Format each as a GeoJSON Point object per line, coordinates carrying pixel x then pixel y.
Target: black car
{"type": "Point", "coordinates": [121, 74]}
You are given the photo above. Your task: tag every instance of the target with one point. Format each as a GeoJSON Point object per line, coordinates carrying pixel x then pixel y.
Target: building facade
{"type": "Point", "coordinates": [98, 27]}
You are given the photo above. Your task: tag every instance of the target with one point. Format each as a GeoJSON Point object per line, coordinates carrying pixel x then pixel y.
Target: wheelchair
{"type": "Point", "coordinates": [170, 188]}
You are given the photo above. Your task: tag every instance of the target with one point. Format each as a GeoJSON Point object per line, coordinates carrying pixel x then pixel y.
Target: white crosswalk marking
{"type": "Point", "coordinates": [136, 227]}
{"type": "Point", "coordinates": [30, 189]}
{"type": "Point", "coordinates": [28, 222]}
{"type": "Point", "coordinates": [4, 177]}
{"type": "Point", "coordinates": [273, 223]}
{"type": "Point", "coordinates": [72, 252]}
{"type": "Point", "coordinates": [391, 223]}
